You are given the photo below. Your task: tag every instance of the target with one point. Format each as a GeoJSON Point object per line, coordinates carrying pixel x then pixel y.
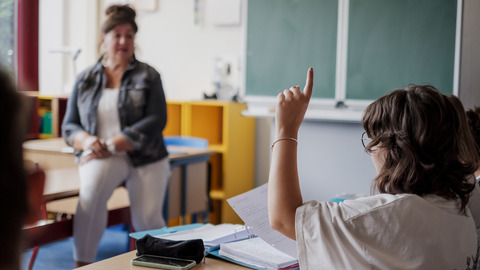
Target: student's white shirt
{"type": "Point", "coordinates": [388, 232]}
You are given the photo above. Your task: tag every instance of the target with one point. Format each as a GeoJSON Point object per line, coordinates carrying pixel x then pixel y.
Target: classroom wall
{"type": "Point", "coordinates": [332, 161]}
{"type": "Point", "coordinates": [62, 30]}
{"type": "Point", "coordinates": [183, 51]}
{"type": "Point", "coordinates": [168, 38]}
{"type": "Point", "coordinates": [331, 158]}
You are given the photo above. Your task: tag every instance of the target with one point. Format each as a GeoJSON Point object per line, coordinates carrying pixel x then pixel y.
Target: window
{"type": "Point", "coordinates": [7, 19]}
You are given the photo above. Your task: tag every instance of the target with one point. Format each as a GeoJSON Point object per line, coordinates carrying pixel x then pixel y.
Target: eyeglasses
{"type": "Point", "coordinates": [365, 140]}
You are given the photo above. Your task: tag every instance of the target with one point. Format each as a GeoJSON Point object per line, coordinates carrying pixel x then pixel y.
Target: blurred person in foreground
{"type": "Point", "coordinates": [17, 208]}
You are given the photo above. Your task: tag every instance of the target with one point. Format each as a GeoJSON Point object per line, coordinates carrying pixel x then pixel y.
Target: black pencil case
{"type": "Point", "coordinates": [186, 249]}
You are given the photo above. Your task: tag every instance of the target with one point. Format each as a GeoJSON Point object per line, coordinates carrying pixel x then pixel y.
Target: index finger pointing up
{"type": "Point", "coordinates": [309, 83]}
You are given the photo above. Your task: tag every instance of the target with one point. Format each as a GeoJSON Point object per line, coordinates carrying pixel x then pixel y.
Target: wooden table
{"type": "Point", "coordinates": [56, 154]}
{"type": "Point", "coordinates": [123, 262]}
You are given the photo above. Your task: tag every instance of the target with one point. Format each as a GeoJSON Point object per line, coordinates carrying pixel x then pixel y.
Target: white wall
{"type": "Point", "coordinates": [332, 160]}
{"type": "Point", "coordinates": [168, 39]}
{"type": "Point", "coordinates": [65, 25]}
{"type": "Point", "coordinates": [183, 52]}
{"type": "Point", "coordinates": [50, 36]}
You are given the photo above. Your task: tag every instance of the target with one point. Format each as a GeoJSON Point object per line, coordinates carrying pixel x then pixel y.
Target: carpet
{"type": "Point", "coordinates": [59, 255]}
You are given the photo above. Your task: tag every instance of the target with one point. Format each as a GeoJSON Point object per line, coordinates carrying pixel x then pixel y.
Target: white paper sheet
{"type": "Point", "coordinates": [252, 208]}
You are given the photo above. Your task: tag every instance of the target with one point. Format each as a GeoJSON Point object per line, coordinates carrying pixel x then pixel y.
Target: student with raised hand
{"type": "Point", "coordinates": [473, 116]}
{"type": "Point", "coordinates": [425, 210]}
{"type": "Point", "coordinates": [114, 119]}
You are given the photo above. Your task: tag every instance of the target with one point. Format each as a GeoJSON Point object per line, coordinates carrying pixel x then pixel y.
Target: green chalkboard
{"type": "Point", "coordinates": [393, 43]}
{"type": "Point", "coordinates": [285, 38]}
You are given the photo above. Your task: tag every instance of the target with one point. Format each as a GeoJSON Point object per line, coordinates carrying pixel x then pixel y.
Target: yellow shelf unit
{"type": "Point", "coordinates": [47, 114]}
{"type": "Point", "coordinates": [230, 135]}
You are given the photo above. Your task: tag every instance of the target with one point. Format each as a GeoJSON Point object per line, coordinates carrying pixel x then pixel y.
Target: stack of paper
{"type": "Point", "coordinates": [252, 208]}
{"type": "Point", "coordinates": [212, 235]}
{"type": "Point", "coordinates": [258, 253]}
{"type": "Point", "coordinates": [271, 249]}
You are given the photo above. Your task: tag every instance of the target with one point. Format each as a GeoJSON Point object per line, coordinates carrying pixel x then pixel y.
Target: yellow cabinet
{"type": "Point", "coordinates": [231, 136]}
{"type": "Point", "coordinates": [46, 114]}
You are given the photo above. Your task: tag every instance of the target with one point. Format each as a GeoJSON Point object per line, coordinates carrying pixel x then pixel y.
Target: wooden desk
{"type": "Point", "coordinates": [123, 262]}
{"type": "Point", "coordinates": [56, 154]}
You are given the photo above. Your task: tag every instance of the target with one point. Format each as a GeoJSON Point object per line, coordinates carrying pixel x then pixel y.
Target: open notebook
{"type": "Point", "coordinates": [257, 253]}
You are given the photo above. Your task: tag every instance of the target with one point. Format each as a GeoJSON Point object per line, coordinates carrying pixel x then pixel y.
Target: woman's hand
{"type": "Point", "coordinates": [291, 108]}
{"type": "Point", "coordinates": [96, 145]}
{"type": "Point", "coordinates": [93, 147]}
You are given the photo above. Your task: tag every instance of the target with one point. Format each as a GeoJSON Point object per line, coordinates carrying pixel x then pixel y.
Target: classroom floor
{"type": "Point", "coordinates": [59, 255]}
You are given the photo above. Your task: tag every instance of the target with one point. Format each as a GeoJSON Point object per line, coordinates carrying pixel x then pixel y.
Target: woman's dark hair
{"type": "Point", "coordinates": [117, 15]}
{"type": "Point", "coordinates": [473, 117]}
{"type": "Point", "coordinates": [427, 143]}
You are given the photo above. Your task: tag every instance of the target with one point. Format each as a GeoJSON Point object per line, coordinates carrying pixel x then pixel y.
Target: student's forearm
{"type": "Point", "coordinates": [284, 194]}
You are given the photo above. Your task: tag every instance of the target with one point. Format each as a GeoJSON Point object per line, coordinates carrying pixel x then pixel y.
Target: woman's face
{"type": "Point", "coordinates": [119, 43]}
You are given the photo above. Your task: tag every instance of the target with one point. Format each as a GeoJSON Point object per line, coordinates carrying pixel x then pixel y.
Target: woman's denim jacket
{"type": "Point", "coordinates": [142, 109]}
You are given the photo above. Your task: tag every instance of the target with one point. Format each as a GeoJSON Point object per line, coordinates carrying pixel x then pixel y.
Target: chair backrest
{"type": "Point", "coordinates": [188, 141]}
{"type": "Point", "coordinates": [36, 184]}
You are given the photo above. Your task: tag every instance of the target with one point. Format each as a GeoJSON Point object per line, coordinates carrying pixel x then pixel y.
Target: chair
{"type": "Point", "coordinates": [37, 212]}
{"type": "Point", "coordinates": [41, 230]}
{"type": "Point", "coordinates": [192, 142]}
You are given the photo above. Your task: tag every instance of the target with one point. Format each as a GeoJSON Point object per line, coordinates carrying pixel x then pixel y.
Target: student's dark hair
{"type": "Point", "coordinates": [13, 183]}
{"type": "Point", "coordinates": [473, 117]}
{"type": "Point", "coordinates": [117, 15]}
{"type": "Point", "coordinates": [427, 143]}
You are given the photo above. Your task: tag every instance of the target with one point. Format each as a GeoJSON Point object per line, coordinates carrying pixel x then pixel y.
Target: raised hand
{"type": "Point", "coordinates": [292, 105]}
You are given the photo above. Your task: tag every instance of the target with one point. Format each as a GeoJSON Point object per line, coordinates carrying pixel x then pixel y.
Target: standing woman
{"type": "Point", "coordinates": [114, 119]}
